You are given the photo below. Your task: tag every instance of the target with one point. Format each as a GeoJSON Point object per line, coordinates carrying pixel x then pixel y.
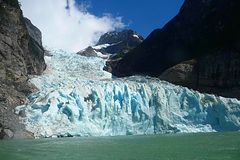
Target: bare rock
{"type": "Point", "coordinates": [21, 54]}
{"type": "Point", "coordinates": [8, 134]}
{"type": "Point", "coordinates": [217, 73]}
{"type": "Point", "coordinates": [34, 32]}
{"type": "Point", "coordinates": [181, 74]}
{"type": "Point", "coordinates": [88, 52]}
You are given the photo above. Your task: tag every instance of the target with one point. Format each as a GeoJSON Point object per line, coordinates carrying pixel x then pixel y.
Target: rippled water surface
{"type": "Point", "coordinates": [204, 146]}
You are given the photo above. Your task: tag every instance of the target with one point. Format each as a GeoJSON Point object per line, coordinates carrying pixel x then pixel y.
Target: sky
{"type": "Point", "coordinates": [141, 15]}
{"type": "Point", "coordinates": [73, 25]}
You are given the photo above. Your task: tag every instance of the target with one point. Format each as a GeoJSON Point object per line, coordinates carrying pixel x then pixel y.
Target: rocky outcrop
{"type": "Point", "coordinates": [88, 52]}
{"type": "Point", "coordinates": [205, 32]}
{"type": "Point", "coordinates": [121, 42]}
{"type": "Point", "coordinates": [33, 31]}
{"type": "Point", "coordinates": [21, 54]}
{"type": "Point", "coordinates": [115, 44]}
{"type": "Point", "coordinates": [182, 74]}
{"type": "Point", "coordinates": [217, 73]}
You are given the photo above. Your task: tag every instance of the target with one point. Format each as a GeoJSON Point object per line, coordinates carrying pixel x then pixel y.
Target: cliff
{"type": "Point", "coordinates": [21, 55]}
{"type": "Point", "coordinates": [206, 35]}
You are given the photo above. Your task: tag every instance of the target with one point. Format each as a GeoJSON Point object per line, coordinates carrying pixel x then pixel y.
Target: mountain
{"type": "Point", "coordinates": [116, 44]}
{"type": "Point", "coordinates": [120, 42]}
{"type": "Point", "coordinates": [21, 55]}
{"type": "Point", "coordinates": [199, 48]}
{"type": "Point", "coordinates": [76, 97]}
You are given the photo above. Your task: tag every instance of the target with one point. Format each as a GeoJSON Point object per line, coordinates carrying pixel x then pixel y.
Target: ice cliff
{"type": "Point", "coordinates": [77, 98]}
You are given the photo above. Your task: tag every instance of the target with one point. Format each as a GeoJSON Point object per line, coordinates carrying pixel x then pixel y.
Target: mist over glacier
{"type": "Point", "coordinates": [77, 98]}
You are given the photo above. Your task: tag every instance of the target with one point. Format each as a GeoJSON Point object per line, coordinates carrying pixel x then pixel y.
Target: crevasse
{"type": "Point", "coordinates": [77, 98]}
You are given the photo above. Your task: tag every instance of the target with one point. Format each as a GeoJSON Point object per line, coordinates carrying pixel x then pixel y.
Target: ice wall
{"type": "Point", "coordinates": [77, 98]}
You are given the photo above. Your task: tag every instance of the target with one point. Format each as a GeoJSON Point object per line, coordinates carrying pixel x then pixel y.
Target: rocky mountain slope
{"type": "Point", "coordinates": [116, 44]}
{"type": "Point", "coordinates": [198, 48]}
{"type": "Point", "coordinates": [21, 54]}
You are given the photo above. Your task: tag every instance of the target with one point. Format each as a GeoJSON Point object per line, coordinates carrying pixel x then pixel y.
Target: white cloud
{"type": "Point", "coordinates": [70, 30]}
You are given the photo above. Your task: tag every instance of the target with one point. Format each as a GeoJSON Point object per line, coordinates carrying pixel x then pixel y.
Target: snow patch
{"type": "Point", "coordinates": [101, 46]}
{"type": "Point", "coordinates": [136, 36]}
{"type": "Point", "coordinates": [99, 54]}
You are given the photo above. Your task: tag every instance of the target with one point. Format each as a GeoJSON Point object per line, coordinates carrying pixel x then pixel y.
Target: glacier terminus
{"type": "Point", "coordinates": [77, 98]}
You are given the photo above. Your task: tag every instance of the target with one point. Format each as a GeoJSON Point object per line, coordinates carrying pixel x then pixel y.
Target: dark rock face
{"type": "Point", "coordinates": [206, 32]}
{"type": "Point", "coordinates": [21, 54]}
{"type": "Point", "coordinates": [182, 74]}
{"type": "Point", "coordinates": [115, 43]}
{"type": "Point", "coordinates": [217, 73]}
{"type": "Point", "coordinates": [121, 42]}
{"type": "Point", "coordinates": [88, 52]}
{"type": "Point", "coordinates": [34, 32]}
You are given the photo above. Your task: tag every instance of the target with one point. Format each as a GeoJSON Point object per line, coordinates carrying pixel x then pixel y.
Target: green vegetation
{"type": "Point", "coordinates": [203, 146]}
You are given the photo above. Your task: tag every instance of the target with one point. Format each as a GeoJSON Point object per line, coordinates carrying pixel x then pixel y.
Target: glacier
{"type": "Point", "coordinates": [77, 98]}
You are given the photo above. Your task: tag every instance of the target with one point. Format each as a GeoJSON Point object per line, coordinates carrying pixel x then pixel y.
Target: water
{"type": "Point", "coordinates": [201, 146]}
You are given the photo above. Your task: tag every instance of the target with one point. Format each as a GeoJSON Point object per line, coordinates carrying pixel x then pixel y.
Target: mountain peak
{"type": "Point", "coordinates": [114, 43]}
{"type": "Point", "coordinates": [126, 35]}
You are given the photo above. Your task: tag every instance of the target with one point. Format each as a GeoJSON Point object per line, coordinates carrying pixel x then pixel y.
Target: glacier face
{"type": "Point", "coordinates": [77, 98]}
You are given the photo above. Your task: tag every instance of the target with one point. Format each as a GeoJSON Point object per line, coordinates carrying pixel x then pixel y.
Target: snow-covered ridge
{"type": "Point", "coordinates": [76, 97]}
{"type": "Point", "coordinates": [101, 46]}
